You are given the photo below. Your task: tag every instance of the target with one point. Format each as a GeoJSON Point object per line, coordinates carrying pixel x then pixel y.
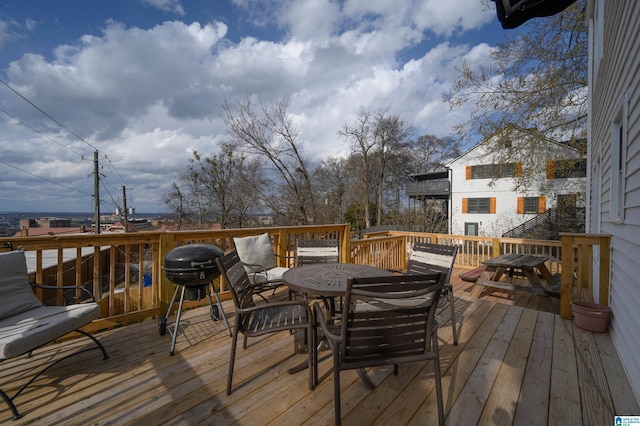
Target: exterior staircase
{"type": "Point", "coordinates": [549, 225]}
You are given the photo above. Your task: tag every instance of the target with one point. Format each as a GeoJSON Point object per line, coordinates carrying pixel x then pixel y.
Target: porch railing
{"type": "Point", "coordinates": [130, 286]}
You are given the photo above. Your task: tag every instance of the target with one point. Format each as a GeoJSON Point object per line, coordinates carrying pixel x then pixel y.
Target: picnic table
{"type": "Point", "coordinates": [532, 268]}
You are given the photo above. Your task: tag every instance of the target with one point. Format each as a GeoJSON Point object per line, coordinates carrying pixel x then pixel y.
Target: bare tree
{"type": "Point", "coordinates": [377, 138]}
{"type": "Point", "coordinates": [267, 130]}
{"type": "Point", "coordinates": [175, 201]}
{"type": "Point", "coordinates": [392, 135]}
{"type": "Point", "coordinates": [216, 189]}
{"type": "Point", "coordinates": [224, 178]}
{"type": "Point", "coordinates": [536, 82]}
{"type": "Point", "coordinates": [361, 134]}
{"type": "Point", "coordinates": [196, 202]}
{"type": "Point", "coordinates": [431, 153]}
{"type": "Point", "coordinates": [333, 180]}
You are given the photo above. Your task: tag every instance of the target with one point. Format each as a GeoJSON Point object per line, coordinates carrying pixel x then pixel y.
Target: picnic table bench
{"type": "Point", "coordinates": [532, 268]}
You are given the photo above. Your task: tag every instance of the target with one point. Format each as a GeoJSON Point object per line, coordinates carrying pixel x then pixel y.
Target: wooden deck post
{"type": "Point", "coordinates": [566, 290]}
{"type": "Point", "coordinates": [582, 245]}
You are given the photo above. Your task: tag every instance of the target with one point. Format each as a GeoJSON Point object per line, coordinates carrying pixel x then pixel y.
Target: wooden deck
{"type": "Point", "coordinates": [517, 363]}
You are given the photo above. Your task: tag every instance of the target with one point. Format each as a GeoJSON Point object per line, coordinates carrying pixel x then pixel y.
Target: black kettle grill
{"type": "Point", "coordinates": [192, 268]}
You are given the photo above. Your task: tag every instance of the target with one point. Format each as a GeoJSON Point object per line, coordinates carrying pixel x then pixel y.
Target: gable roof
{"type": "Point", "coordinates": [513, 127]}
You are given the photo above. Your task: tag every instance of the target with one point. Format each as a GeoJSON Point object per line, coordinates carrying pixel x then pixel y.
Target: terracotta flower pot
{"type": "Point", "coordinates": [591, 316]}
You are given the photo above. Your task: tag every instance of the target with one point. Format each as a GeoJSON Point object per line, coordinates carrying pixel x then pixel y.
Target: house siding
{"type": "Point", "coordinates": [505, 213]}
{"type": "Point", "coordinates": [618, 80]}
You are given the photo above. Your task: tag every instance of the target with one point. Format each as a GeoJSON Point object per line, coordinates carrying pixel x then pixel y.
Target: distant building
{"type": "Point", "coordinates": [48, 226]}
{"type": "Point", "coordinates": [429, 196]}
{"type": "Point", "coordinates": [490, 197]}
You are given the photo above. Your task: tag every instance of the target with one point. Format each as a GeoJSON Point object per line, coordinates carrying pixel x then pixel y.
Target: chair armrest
{"type": "Point", "coordinates": [320, 318]}
{"type": "Point", "coordinates": [291, 262]}
{"type": "Point", "coordinates": [72, 299]}
{"type": "Point", "coordinates": [273, 305]}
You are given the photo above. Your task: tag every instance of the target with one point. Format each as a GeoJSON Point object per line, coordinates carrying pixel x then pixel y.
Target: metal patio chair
{"type": "Point", "coordinates": [256, 320]}
{"type": "Point", "coordinates": [385, 320]}
{"type": "Point", "coordinates": [260, 261]}
{"type": "Point", "coordinates": [427, 258]}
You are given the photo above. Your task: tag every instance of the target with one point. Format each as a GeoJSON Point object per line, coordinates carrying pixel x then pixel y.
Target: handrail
{"type": "Point", "coordinates": [553, 221]}
{"type": "Point", "coordinates": [130, 285]}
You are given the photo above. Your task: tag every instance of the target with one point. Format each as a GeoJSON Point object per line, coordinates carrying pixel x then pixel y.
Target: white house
{"type": "Point", "coordinates": [492, 193]}
{"type": "Point", "coordinates": [614, 164]}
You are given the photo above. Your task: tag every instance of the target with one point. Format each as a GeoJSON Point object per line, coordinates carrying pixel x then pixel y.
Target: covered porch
{"type": "Point", "coordinates": [518, 362]}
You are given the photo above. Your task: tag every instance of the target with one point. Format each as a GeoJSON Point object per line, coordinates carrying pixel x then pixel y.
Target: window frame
{"type": "Point", "coordinates": [494, 171]}
{"type": "Point", "coordinates": [619, 129]}
{"type": "Point", "coordinates": [567, 169]}
{"type": "Point", "coordinates": [533, 203]}
{"type": "Point", "coordinates": [478, 203]}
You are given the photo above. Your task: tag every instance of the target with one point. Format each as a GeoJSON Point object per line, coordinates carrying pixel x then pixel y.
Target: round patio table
{"type": "Point", "coordinates": [328, 279]}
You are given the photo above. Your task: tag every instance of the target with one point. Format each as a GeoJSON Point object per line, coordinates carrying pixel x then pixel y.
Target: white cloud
{"type": "Point", "coordinates": [446, 17]}
{"type": "Point", "coordinates": [310, 19]}
{"type": "Point", "coordinates": [149, 97]}
{"type": "Point", "coordinates": [172, 6]}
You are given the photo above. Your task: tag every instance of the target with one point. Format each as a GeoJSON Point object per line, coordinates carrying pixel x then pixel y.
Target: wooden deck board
{"type": "Point", "coordinates": [510, 359]}
{"type": "Point", "coordinates": [564, 407]}
{"type": "Point", "coordinates": [597, 406]}
{"type": "Point", "coordinates": [621, 392]}
{"type": "Point", "coordinates": [533, 404]}
{"type": "Point", "coordinates": [474, 395]}
{"type": "Point", "coordinates": [501, 405]}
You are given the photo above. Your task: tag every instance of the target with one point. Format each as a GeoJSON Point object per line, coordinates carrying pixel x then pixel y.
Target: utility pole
{"type": "Point", "coordinates": [125, 219]}
{"type": "Point", "coordinates": [96, 192]}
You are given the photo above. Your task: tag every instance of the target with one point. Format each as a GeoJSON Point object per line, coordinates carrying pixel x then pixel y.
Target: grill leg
{"type": "Point", "coordinates": [173, 300]}
{"type": "Point", "coordinates": [175, 330]}
{"type": "Point", "coordinates": [220, 310]}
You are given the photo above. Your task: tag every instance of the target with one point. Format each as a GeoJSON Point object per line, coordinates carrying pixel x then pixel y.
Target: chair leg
{"type": "Point", "coordinates": [96, 341]}
{"type": "Point", "coordinates": [314, 348]}
{"type": "Point", "coordinates": [437, 374]}
{"type": "Point", "coordinates": [336, 388]}
{"type": "Point", "coordinates": [14, 410]}
{"type": "Point", "coordinates": [453, 317]}
{"type": "Point", "coordinates": [232, 358]}
{"type": "Point", "coordinates": [311, 352]}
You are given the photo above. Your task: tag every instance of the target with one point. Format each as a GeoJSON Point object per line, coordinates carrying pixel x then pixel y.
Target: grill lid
{"type": "Point", "coordinates": [192, 258]}
{"type": "Point", "coordinates": [192, 264]}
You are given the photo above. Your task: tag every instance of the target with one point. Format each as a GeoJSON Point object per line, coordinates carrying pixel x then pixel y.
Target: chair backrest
{"type": "Point", "coordinates": [310, 251]}
{"type": "Point", "coordinates": [256, 252]}
{"type": "Point", "coordinates": [389, 319]}
{"type": "Point", "coordinates": [233, 271]}
{"type": "Point", "coordinates": [427, 258]}
{"type": "Point", "coordinates": [15, 291]}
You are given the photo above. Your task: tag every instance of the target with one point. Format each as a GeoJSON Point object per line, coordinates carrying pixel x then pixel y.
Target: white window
{"type": "Point", "coordinates": [598, 36]}
{"type": "Point", "coordinates": [531, 205]}
{"type": "Point", "coordinates": [618, 159]}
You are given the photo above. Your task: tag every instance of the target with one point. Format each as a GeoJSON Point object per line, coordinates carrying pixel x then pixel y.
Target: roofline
{"type": "Point", "coordinates": [514, 127]}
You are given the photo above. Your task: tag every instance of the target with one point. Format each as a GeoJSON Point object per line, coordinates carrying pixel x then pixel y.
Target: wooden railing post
{"type": "Point", "coordinates": [605, 266]}
{"type": "Point", "coordinates": [495, 247]}
{"type": "Point", "coordinates": [583, 246]}
{"type": "Point", "coordinates": [566, 290]}
{"type": "Point", "coordinates": [165, 245]}
{"type": "Point", "coordinates": [345, 241]}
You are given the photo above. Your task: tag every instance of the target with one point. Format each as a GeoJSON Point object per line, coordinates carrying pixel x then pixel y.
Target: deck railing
{"type": "Point", "coordinates": [130, 286]}
{"type": "Point", "coordinates": [584, 256]}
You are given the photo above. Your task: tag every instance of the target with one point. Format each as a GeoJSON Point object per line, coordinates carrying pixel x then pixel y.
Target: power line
{"type": "Point", "coordinates": [47, 115]}
{"type": "Point", "coordinates": [45, 179]}
{"type": "Point", "coordinates": [109, 163]}
{"type": "Point", "coordinates": [41, 133]}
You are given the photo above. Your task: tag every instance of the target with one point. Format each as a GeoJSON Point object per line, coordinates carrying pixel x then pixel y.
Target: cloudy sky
{"type": "Point", "coordinates": [142, 81]}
